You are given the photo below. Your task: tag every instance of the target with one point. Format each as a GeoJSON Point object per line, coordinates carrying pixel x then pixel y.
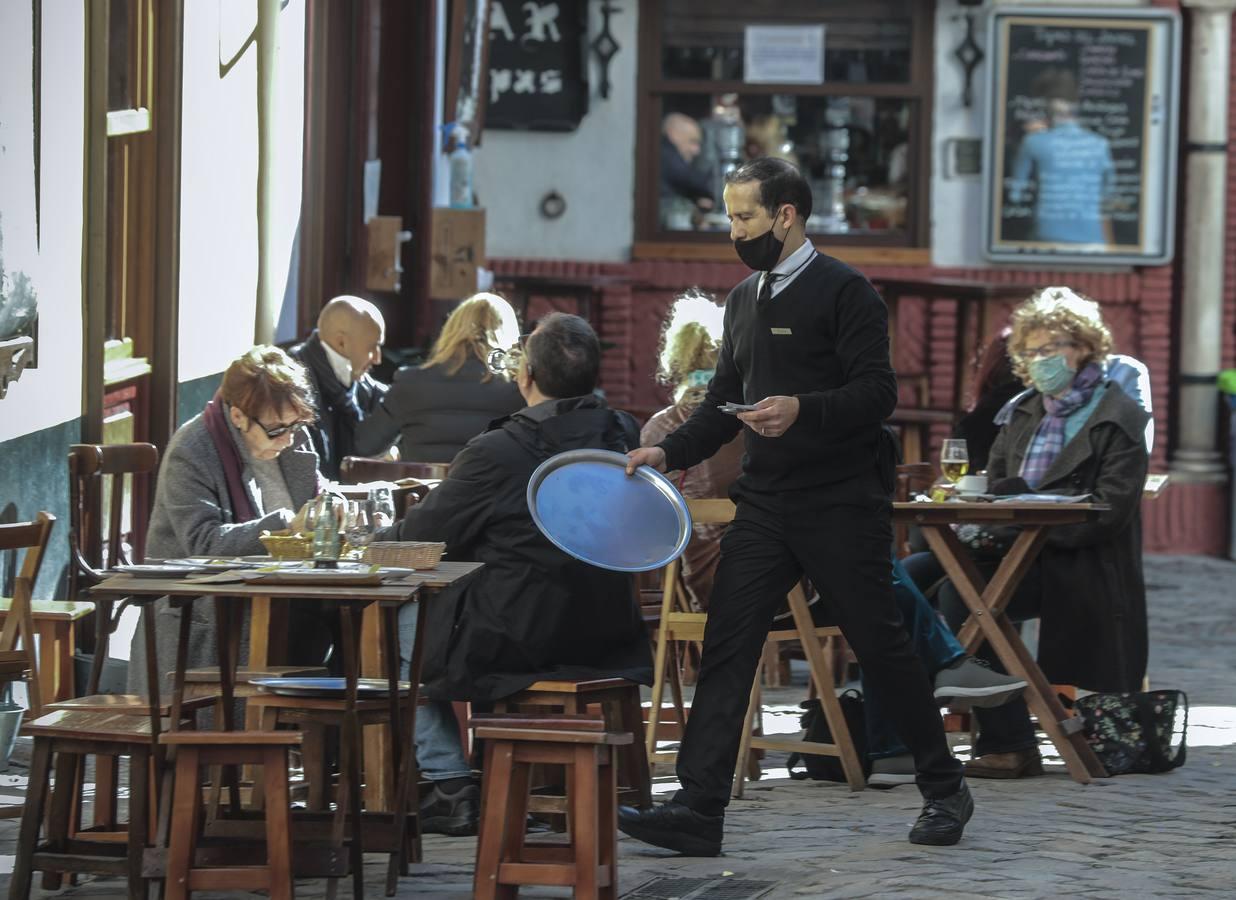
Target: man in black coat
{"type": "Point", "coordinates": [806, 351]}
{"type": "Point", "coordinates": [339, 354]}
{"type": "Point", "coordinates": [533, 612]}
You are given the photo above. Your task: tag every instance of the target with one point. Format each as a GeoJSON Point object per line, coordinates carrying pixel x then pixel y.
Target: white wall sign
{"type": "Point", "coordinates": [784, 54]}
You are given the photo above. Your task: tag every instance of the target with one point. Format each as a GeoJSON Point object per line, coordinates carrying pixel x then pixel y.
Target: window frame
{"type": "Point", "coordinates": [652, 86]}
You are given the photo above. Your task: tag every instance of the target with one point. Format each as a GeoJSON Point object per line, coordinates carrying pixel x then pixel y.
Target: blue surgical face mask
{"type": "Point", "coordinates": [1051, 374]}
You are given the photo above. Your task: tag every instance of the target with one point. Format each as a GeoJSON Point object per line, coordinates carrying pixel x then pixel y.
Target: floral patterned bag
{"type": "Point", "coordinates": [1136, 732]}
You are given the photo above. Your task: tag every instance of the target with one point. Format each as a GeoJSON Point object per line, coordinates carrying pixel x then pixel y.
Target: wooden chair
{"type": "Point", "coordinates": [269, 749]}
{"type": "Point", "coordinates": [360, 469]}
{"type": "Point", "coordinates": [56, 623]}
{"type": "Point", "coordinates": [621, 711]}
{"type": "Point", "coordinates": [689, 626]}
{"type": "Point", "coordinates": [505, 857]}
{"type": "Point", "coordinates": [117, 477]}
{"type": "Point", "coordinates": [66, 737]}
{"type": "Point", "coordinates": [19, 620]}
{"type": "Point", "coordinates": [812, 637]}
{"type": "Point", "coordinates": [911, 479]}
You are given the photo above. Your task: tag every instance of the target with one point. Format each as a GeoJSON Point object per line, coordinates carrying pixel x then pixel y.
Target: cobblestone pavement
{"type": "Point", "coordinates": [1168, 835]}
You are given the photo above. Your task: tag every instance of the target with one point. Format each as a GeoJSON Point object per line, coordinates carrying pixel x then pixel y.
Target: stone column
{"type": "Point", "coordinates": [1201, 321]}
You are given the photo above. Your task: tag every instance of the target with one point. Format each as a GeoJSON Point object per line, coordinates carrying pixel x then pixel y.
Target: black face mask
{"type": "Point", "coordinates": [761, 253]}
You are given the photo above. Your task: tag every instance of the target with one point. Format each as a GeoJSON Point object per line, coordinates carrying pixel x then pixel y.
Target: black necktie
{"type": "Point", "coordinates": [765, 294]}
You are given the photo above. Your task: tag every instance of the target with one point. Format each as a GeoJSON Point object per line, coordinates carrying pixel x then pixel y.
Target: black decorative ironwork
{"type": "Point", "coordinates": [970, 55]}
{"type": "Point", "coordinates": [605, 47]}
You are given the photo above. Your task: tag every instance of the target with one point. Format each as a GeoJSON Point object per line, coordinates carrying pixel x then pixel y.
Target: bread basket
{"type": "Point", "coordinates": [286, 545]}
{"type": "Point", "coordinates": [405, 554]}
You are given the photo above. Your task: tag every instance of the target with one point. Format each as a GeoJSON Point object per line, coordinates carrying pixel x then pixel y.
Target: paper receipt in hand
{"type": "Point", "coordinates": [735, 408]}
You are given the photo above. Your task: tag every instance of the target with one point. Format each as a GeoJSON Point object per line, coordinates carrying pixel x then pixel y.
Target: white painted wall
{"type": "Point", "coordinates": [52, 393]}
{"type": "Point", "coordinates": [219, 159]}
{"type": "Point", "coordinates": [593, 168]}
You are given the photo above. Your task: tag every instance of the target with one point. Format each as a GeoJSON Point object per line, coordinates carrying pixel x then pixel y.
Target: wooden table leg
{"type": "Point", "coordinates": [350, 739]}
{"type": "Point", "coordinates": [987, 603]}
{"type": "Point", "coordinates": [227, 637]}
{"type": "Point", "coordinates": [393, 734]}
{"type": "Point", "coordinates": [373, 664]}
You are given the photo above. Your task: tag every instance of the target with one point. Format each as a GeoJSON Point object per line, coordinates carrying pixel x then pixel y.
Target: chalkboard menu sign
{"type": "Point", "coordinates": [1082, 135]}
{"type": "Point", "coordinates": [537, 80]}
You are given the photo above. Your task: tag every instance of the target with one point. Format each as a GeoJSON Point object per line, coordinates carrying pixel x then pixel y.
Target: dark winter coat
{"type": "Point", "coordinates": [1093, 627]}
{"type": "Point", "coordinates": [434, 414]}
{"type": "Point", "coordinates": [533, 612]}
{"type": "Point", "coordinates": [340, 409]}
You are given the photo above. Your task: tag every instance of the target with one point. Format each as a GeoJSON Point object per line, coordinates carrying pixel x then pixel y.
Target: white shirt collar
{"type": "Point", "coordinates": [339, 364]}
{"type": "Point", "coordinates": [790, 267]}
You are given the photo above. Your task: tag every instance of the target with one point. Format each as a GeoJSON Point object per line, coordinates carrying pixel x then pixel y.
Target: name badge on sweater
{"type": "Point", "coordinates": [782, 331]}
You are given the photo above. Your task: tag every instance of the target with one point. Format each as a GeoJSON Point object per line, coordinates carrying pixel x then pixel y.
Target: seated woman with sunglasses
{"type": "Point", "coordinates": [433, 409]}
{"type": "Point", "coordinates": [243, 466]}
{"type": "Point", "coordinates": [1077, 433]}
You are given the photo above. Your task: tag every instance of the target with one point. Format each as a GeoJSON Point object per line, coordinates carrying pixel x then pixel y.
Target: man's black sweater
{"type": "Point", "coordinates": [823, 339]}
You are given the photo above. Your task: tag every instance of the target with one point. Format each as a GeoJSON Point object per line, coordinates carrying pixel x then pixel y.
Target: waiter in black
{"type": "Point", "coordinates": [806, 342]}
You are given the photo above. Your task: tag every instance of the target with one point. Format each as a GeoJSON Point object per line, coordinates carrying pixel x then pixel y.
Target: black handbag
{"type": "Point", "coordinates": [1136, 732]}
{"type": "Point", "coordinates": [815, 723]}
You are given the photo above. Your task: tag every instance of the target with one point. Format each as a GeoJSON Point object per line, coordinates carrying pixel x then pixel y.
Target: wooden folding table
{"type": "Point", "coordinates": [988, 601]}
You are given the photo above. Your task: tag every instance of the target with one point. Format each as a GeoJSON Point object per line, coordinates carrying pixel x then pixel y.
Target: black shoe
{"type": "Point", "coordinates": [674, 826]}
{"type": "Point", "coordinates": [453, 813]}
{"type": "Point", "coordinates": [942, 821]}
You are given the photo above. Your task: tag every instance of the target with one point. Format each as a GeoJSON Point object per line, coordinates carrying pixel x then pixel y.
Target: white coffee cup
{"type": "Point", "coordinates": [972, 484]}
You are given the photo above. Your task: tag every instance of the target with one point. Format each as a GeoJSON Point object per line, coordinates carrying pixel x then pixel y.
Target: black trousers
{"type": "Point", "coordinates": [839, 536]}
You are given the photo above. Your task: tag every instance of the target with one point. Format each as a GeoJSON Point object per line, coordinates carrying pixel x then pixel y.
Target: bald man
{"type": "Point", "coordinates": [680, 145]}
{"type": "Point", "coordinates": [339, 354]}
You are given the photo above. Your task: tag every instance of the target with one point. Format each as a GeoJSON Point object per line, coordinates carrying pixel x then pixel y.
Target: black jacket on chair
{"type": "Point", "coordinates": [532, 612]}
{"type": "Point", "coordinates": [340, 409]}
{"type": "Point", "coordinates": [434, 414]}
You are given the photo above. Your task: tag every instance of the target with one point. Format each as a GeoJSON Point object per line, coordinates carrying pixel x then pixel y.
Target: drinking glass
{"type": "Point", "coordinates": [383, 505]}
{"type": "Point", "coordinates": [358, 525]}
{"type": "Point", "coordinates": [954, 459]}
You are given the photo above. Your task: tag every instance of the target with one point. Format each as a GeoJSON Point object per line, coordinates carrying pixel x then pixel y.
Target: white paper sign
{"type": "Point", "coordinates": [784, 54]}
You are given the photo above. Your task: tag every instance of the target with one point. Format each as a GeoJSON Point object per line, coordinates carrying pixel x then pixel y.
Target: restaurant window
{"type": "Point", "coordinates": [841, 90]}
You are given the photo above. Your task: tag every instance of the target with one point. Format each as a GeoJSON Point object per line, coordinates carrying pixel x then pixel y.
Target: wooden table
{"type": "Point", "coordinates": [974, 305]}
{"type": "Point", "coordinates": [988, 601]}
{"type": "Point", "coordinates": [56, 623]}
{"type": "Point", "coordinates": [352, 600]}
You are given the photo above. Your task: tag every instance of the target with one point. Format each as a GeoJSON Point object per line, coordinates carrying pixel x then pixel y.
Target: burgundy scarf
{"type": "Point", "coordinates": [216, 424]}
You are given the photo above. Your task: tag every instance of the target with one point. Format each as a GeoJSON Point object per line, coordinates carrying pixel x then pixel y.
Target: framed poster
{"type": "Point", "coordinates": [1082, 128]}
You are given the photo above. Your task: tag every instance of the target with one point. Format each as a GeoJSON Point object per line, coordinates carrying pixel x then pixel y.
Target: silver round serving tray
{"type": "Point", "coordinates": [587, 505]}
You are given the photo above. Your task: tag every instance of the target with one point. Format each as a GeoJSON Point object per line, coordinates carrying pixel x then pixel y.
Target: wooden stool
{"type": "Point", "coordinates": [505, 859]}
{"type": "Point", "coordinates": [67, 736]}
{"type": "Point", "coordinates": [269, 749]}
{"type": "Point", "coordinates": [107, 767]}
{"type": "Point", "coordinates": [621, 711]}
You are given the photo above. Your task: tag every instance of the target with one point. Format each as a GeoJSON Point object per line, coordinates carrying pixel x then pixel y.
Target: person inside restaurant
{"type": "Point", "coordinates": [683, 187]}
{"type": "Point", "coordinates": [1076, 433]}
{"type": "Point", "coordinates": [435, 408]}
{"type": "Point", "coordinates": [242, 466]}
{"type": "Point", "coordinates": [339, 354]}
{"type": "Point", "coordinates": [532, 612]}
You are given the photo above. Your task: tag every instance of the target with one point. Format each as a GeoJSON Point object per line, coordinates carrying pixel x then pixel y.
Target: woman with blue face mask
{"type": "Point", "coordinates": [1075, 432]}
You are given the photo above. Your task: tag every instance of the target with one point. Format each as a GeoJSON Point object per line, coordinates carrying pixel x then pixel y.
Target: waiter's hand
{"type": "Point", "coordinates": [646, 456]}
{"type": "Point", "coordinates": [772, 416]}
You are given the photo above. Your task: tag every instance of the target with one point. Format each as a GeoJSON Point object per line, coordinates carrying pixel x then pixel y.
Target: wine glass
{"type": "Point", "coordinates": [358, 525]}
{"type": "Point", "coordinates": [954, 459]}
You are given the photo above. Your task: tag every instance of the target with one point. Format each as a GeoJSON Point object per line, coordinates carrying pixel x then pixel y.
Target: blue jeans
{"type": "Point", "coordinates": [933, 642]}
{"type": "Point", "coordinates": [438, 751]}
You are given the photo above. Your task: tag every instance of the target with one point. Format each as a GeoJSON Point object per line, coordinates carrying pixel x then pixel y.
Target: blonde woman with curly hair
{"type": "Point", "coordinates": [437, 407]}
{"type": "Point", "coordinates": [690, 342]}
{"type": "Point", "coordinates": [1075, 432]}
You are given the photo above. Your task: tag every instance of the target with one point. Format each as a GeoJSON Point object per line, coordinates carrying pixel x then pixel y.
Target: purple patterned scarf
{"type": "Point", "coordinates": [1048, 439]}
{"type": "Point", "coordinates": [229, 458]}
